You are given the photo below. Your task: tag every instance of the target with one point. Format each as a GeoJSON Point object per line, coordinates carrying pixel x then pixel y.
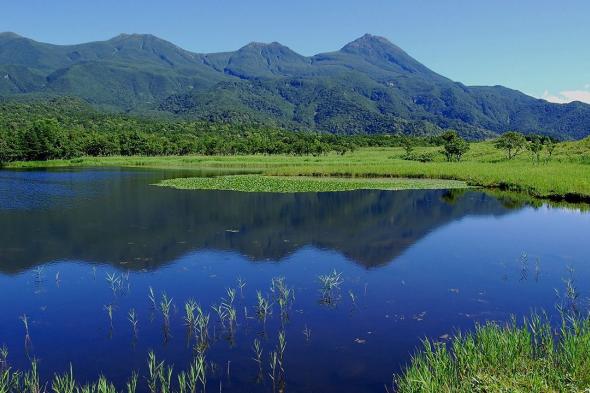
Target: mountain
{"type": "Point", "coordinates": [370, 85]}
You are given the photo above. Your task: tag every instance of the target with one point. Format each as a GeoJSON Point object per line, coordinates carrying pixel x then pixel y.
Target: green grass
{"type": "Point", "coordinates": [566, 176]}
{"type": "Point", "coordinates": [510, 358]}
{"type": "Point", "coordinates": [260, 183]}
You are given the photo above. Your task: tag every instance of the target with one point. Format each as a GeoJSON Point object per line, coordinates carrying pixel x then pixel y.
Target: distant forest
{"type": "Point", "coordinates": [63, 128]}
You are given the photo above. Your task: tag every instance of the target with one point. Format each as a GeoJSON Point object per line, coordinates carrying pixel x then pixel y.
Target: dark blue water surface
{"type": "Point", "coordinates": [418, 264]}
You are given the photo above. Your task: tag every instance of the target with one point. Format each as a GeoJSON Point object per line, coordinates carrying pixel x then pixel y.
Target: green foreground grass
{"type": "Point", "coordinates": [565, 176]}
{"type": "Point", "coordinates": [290, 184]}
{"type": "Point", "coordinates": [495, 358]}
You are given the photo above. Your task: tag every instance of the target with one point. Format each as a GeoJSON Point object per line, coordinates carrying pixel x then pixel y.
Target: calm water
{"type": "Point", "coordinates": [418, 264]}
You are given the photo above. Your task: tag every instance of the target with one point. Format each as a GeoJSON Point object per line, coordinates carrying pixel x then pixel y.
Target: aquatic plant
{"type": "Point", "coordinates": [152, 298]}
{"type": "Point", "coordinates": [132, 383]}
{"type": "Point", "coordinates": [352, 297]}
{"type": "Point", "coordinates": [3, 358]}
{"type": "Point", "coordinates": [25, 321]}
{"type": "Point", "coordinates": [159, 379]}
{"type": "Point", "coordinates": [231, 296]}
{"type": "Point", "coordinates": [330, 290]}
{"type": "Point", "coordinates": [221, 312]}
{"type": "Point", "coordinates": [281, 346]}
{"type": "Point", "coordinates": [109, 309]}
{"type": "Point", "coordinates": [257, 348]}
{"type": "Point", "coordinates": [64, 383]}
{"type": "Point", "coordinates": [524, 266]}
{"type": "Point", "coordinates": [132, 317]}
{"type": "Point", "coordinates": [263, 307]}
{"type": "Point", "coordinates": [331, 281]}
{"type": "Point", "coordinates": [284, 296]}
{"type": "Point", "coordinates": [115, 282]}
{"type": "Point", "coordinates": [155, 369]}
{"type": "Point", "coordinates": [189, 314]}
{"type": "Point", "coordinates": [568, 303]}
{"type": "Point", "coordinates": [273, 363]}
{"type": "Point", "coordinates": [307, 333]}
{"type": "Point", "coordinates": [292, 184]}
{"type": "Point", "coordinates": [165, 305]}
{"type": "Point", "coordinates": [241, 285]}
{"type": "Point", "coordinates": [202, 330]}
{"type": "Point", "coordinates": [31, 380]}
{"type": "Point", "coordinates": [38, 274]}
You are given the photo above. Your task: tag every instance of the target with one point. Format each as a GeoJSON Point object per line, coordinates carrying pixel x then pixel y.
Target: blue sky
{"type": "Point", "coordinates": [540, 47]}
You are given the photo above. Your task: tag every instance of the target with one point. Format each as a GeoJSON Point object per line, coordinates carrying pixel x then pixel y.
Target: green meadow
{"type": "Point", "coordinates": [563, 176]}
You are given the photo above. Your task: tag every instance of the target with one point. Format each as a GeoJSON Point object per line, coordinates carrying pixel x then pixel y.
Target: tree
{"type": "Point", "coordinates": [4, 150]}
{"type": "Point", "coordinates": [512, 142]}
{"type": "Point", "coordinates": [550, 146]}
{"type": "Point", "coordinates": [454, 146]}
{"type": "Point", "coordinates": [41, 141]}
{"type": "Point", "coordinates": [408, 145]}
{"type": "Point", "coordinates": [535, 146]}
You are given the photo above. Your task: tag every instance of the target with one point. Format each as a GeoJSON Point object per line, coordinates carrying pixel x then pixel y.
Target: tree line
{"type": "Point", "coordinates": [66, 128]}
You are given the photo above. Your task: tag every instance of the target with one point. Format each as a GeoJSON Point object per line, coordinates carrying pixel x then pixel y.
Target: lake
{"type": "Point", "coordinates": [75, 244]}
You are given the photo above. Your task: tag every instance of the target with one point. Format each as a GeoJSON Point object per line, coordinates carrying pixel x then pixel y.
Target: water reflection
{"type": "Point", "coordinates": [117, 217]}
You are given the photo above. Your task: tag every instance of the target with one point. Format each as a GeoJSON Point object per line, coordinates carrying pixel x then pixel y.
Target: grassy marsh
{"type": "Point", "coordinates": [505, 358]}
{"type": "Point", "coordinates": [565, 176]}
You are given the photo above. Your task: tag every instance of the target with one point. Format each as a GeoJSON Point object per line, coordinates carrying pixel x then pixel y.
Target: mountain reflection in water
{"type": "Point", "coordinates": [117, 217]}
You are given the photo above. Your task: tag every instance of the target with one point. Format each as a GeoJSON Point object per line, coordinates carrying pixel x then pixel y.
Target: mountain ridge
{"type": "Point", "coordinates": [369, 85]}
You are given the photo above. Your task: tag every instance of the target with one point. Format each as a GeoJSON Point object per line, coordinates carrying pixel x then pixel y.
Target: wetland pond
{"type": "Point", "coordinates": [76, 244]}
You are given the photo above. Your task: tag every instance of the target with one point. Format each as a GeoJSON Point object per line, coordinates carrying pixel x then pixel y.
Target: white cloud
{"type": "Point", "coordinates": [563, 97]}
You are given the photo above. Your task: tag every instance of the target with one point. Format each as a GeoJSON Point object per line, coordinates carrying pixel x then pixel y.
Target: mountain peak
{"type": "Point", "coordinates": [136, 37]}
{"type": "Point", "coordinates": [272, 46]}
{"type": "Point", "coordinates": [369, 41]}
{"type": "Point", "coordinates": [258, 59]}
{"type": "Point", "coordinates": [381, 52]}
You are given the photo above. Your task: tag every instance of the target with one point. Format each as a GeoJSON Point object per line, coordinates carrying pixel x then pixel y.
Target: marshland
{"type": "Point", "coordinates": [113, 283]}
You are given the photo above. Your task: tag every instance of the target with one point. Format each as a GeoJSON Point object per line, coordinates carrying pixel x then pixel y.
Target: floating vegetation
{"type": "Point", "coordinates": [291, 184]}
